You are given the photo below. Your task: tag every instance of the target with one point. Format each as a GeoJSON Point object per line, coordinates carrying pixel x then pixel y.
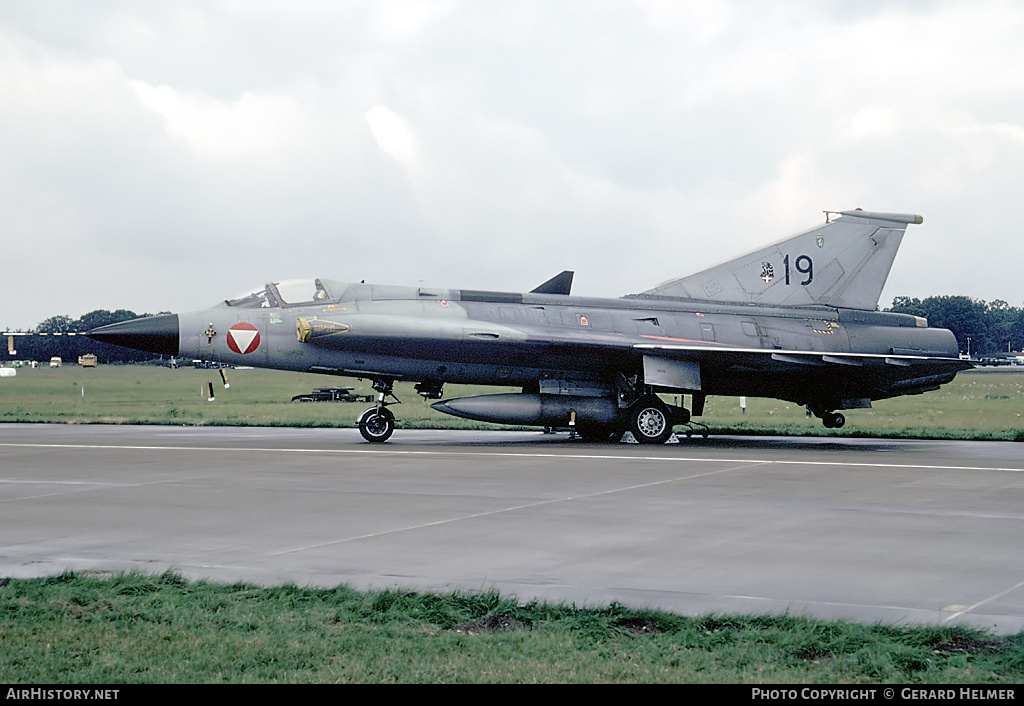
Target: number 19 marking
{"type": "Point", "coordinates": [804, 265]}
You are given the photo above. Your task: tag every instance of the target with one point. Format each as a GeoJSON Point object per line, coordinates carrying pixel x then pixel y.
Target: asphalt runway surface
{"type": "Point", "coordinates": [867, 529]}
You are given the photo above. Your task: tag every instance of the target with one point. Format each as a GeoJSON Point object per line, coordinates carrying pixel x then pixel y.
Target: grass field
{"type": "Point", "coordinates": [162, 629]}
{"type": "Point", "coordinates": [977, 405]}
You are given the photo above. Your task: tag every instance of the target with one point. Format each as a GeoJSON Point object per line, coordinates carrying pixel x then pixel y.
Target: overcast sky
{"type": "Point", "coordinates": [163, 156]}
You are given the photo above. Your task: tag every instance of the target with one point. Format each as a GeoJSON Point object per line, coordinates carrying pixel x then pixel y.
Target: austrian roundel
{"type": "Point", "coordinates": [243, 338]}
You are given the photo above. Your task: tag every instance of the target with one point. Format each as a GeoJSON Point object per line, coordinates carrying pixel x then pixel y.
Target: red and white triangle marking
{"type": "Point", "coordinates": [243, 338]}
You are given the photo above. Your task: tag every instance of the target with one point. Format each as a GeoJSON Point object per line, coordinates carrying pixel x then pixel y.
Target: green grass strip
{"type": "Point", "coordinates": [138, 628]}
{"type": "Point", "coordinates": [982, 405]}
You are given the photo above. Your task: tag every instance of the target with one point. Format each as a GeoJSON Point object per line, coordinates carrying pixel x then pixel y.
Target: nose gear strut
{"type": "Point", "coordinates": [377, 423]}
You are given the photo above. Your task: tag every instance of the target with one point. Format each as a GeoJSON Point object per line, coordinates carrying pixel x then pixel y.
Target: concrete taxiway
{"type": "Point", "coordinates": [894, 531]}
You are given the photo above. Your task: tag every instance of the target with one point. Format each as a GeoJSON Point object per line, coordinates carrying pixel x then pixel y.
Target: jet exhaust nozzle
{"type": "Point", "coordinates": [531, 409]}
{"type": "Point", "coordinates": [154, 334]}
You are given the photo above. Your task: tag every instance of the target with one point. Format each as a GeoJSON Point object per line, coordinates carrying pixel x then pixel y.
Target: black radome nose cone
{"type": "Point", "coordinates": [155, 334]}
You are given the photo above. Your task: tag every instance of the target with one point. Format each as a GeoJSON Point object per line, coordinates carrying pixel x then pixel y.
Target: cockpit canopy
{"type": "Point", "coordinates": [290, 293]}
{"type": "Point", "coordinates": [299, 292]}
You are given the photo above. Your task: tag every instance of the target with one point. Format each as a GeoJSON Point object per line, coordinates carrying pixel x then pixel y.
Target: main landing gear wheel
{"type": "Point", "coordinates": [650, 421]}
{"type": "Point", "coordinates": [376, 425]}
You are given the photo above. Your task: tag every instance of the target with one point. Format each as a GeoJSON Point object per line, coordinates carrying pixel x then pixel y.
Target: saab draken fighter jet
{"type": "Point", "coordinates": [795, 321]}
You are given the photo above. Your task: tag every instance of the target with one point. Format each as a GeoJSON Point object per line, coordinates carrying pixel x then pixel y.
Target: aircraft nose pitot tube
{"type": "Point", "coordinates": [155, 334]}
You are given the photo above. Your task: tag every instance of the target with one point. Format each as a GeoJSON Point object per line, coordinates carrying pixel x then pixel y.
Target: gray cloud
{"type": "Point", "coordinates": [167, 155]}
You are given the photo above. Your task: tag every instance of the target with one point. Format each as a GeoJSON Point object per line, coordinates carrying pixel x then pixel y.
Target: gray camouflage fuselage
{"type": "Point", "coordinates": [792, 321]}
{"type": "Point", "coordinates": [522, 339]}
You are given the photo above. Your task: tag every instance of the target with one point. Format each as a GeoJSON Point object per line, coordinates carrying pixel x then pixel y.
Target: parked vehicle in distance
{"type": "Point", "coordinates": [332, 394]}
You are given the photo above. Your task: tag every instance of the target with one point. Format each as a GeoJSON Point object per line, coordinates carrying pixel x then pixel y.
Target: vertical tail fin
{"type": "Point", "coordinates": [841, 263]}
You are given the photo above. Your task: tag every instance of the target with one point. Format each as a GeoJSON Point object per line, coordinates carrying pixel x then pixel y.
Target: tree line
{"type": "Point", "coordinates": [54, 339]}
{"type": "Point", "coordinates": [980, 328]}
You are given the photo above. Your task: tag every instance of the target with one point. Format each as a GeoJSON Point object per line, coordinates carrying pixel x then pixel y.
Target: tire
{"type": "Point", "coordinates": [376, 426]}
{"type": "Point", "coordinates": [650, 421]}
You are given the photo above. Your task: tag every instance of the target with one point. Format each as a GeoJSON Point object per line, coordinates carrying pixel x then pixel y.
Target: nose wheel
{"type": "Point", "coordinates": [377, 423]}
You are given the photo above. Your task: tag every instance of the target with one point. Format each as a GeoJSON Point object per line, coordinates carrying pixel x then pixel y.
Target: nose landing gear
{"type": "Point", "coordinates": [377, 423]}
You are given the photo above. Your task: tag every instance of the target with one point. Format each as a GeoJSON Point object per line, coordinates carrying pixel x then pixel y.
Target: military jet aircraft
{"type": "Point", "coordinates": [795, 321]}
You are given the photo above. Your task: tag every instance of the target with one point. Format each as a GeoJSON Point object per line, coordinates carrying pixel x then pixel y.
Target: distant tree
{"type": "Point", "coordinates": [53, 341]}
{"type": "Point", "coordinates": [965, 317]}
{"type": "Point", "coordinates": [907, 305]}
{"type": "Point", "coordinates": [1007, 326]}
{"type": "Point", "coordinates": [56, 324]}
{"type": "Point", "coordinates": [102, 317]}
{"type": "Point", "coordinates": [990, 327]}
{"type": "Point", "coordinates": [69, 348]}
